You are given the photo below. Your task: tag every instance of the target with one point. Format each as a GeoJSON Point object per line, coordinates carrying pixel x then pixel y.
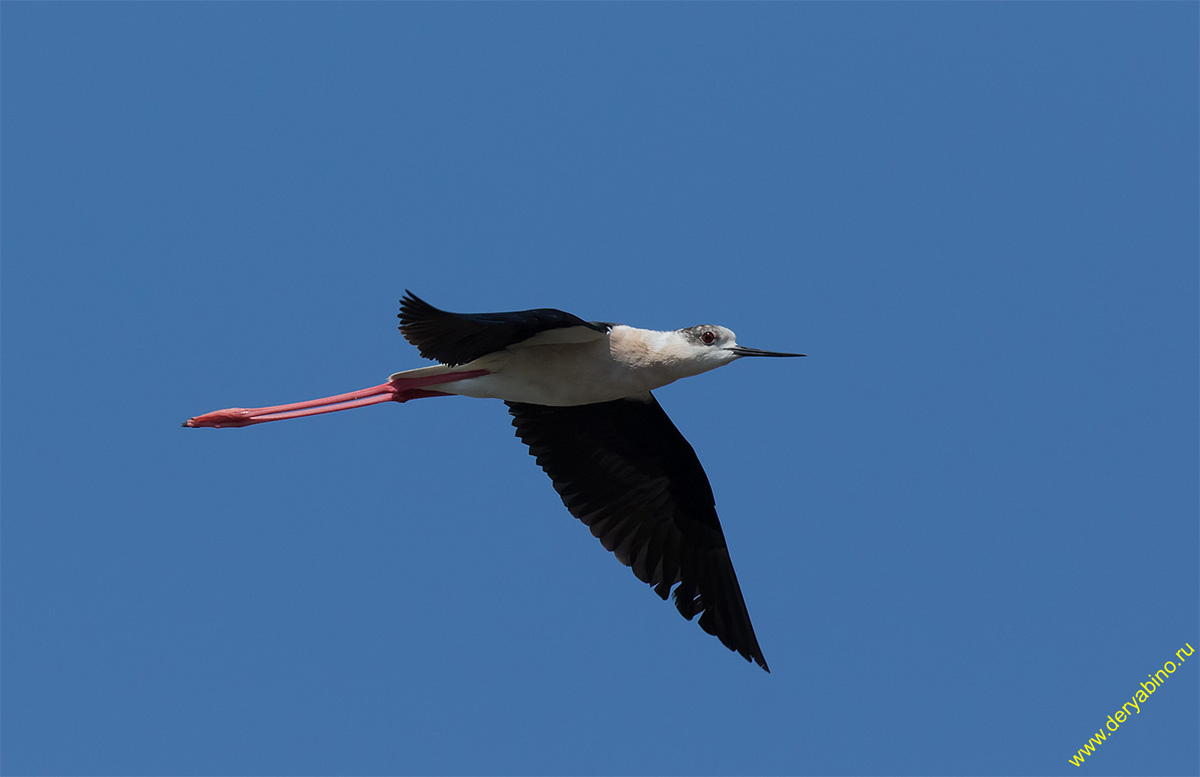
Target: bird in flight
{"type": "Point", "coordinates": [579, 393]}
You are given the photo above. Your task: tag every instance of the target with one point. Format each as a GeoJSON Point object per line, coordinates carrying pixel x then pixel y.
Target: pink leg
{"type": "Point", "coordinates": [401, 390]}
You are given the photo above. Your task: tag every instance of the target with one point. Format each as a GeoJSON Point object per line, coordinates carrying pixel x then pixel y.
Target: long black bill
{"type": "Point", "coordinates": [741, 350]}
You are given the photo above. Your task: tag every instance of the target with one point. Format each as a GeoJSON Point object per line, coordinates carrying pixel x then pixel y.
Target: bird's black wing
{"type": "Point", "coordinates": [624, 470]}
{"type": "Point", "coordinates": [458, 338]}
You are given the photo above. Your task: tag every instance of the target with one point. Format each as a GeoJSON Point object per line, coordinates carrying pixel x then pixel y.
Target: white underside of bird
{"type": "Point", "coordinates": [589, 367]}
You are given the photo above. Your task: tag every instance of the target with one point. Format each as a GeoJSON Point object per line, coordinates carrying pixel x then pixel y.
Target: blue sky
{"type": "Point", "coordinates": [965, 526]}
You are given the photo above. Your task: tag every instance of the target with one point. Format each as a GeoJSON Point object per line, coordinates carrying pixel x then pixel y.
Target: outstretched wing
{"type": "Point", "coordinates": [458, 338]}
{"type": "Point", "coordinates": [624, 470]}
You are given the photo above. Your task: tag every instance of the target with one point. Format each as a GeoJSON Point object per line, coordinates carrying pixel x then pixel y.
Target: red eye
{"type": "Point", "coordinates": [708, 338]}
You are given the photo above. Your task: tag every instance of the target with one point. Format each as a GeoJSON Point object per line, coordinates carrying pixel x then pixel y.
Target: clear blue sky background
{"type": "Point", "coordinates": [966, 525]}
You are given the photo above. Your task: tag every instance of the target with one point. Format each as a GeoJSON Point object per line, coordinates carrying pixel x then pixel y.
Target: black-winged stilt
{"type": "Point", "coordinates": [579, 395]}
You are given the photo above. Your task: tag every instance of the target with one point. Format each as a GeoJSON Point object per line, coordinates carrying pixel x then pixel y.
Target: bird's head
{"type": "Point", "coordinates": [708, 346]}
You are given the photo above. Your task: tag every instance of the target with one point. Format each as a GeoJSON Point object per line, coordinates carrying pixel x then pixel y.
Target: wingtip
{"type": "Point", "coordinates": [755, 657]}
{"type": "Point", "coordinates": [412, 305]}
{"type": "Point", "coordinates": [411, 299]}
{"type": "Point", "coordinates": [406, 303]}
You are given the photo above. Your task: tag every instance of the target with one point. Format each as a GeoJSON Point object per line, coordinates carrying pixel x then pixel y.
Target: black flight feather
{"type": "Point", "coordinates": [627, 472]}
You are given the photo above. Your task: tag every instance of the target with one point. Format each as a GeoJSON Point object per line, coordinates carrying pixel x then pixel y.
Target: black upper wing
{"type": "Point", "coordinates": [458, 338]}
{"type": "Point", "coordinates": [624, 470]}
